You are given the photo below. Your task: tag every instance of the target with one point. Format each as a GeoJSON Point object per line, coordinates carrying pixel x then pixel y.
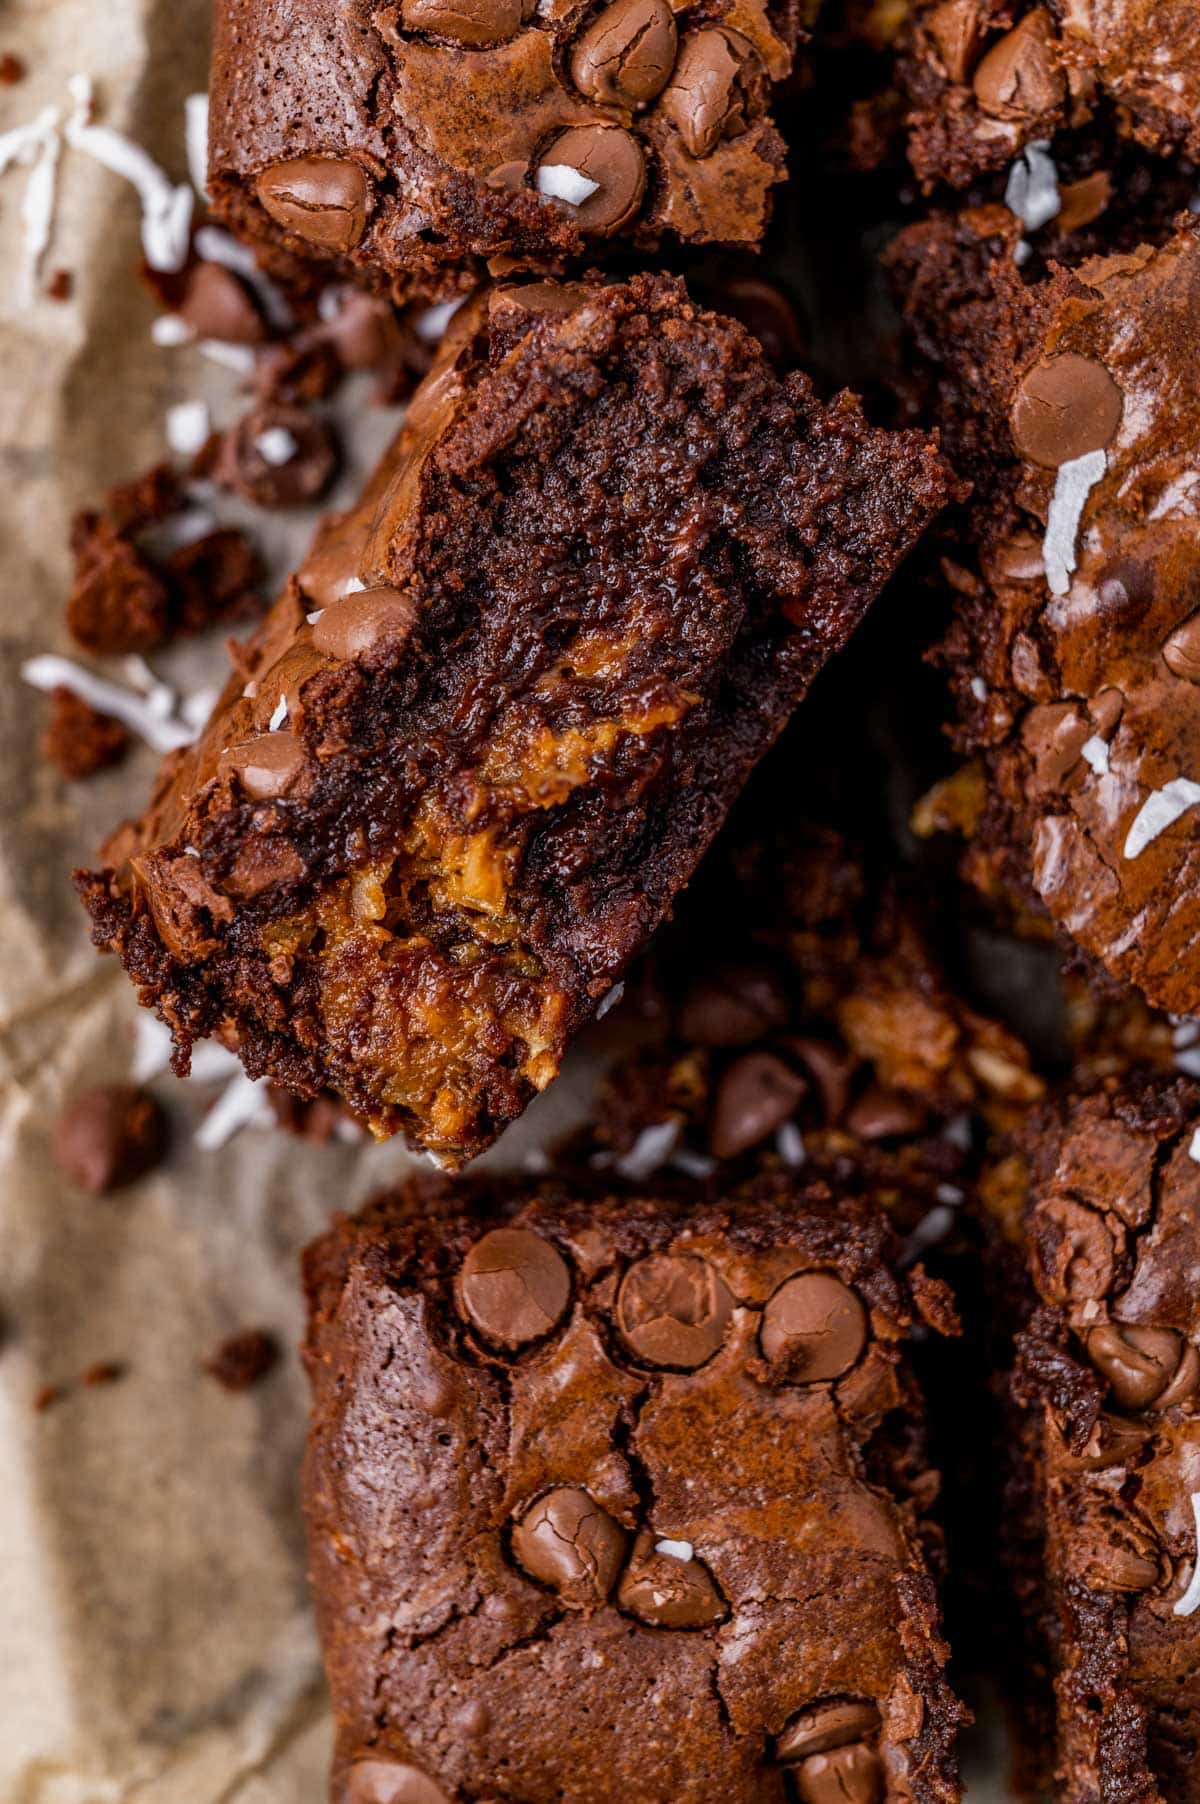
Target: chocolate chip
{"type": "Point", "coordinates": [754, 1097]}
{"type": "Point", "coordinates": [733, 1007]}
{"type": "Point", "coordinates": [277, 456]}
{"type": "Point", "coordinates": [813, 1328]}
{"type": "Point", "coordinates": [766, 312]}
{"type": "Point", "coordinates": [830, 1068]}
{"type": "Point", "coordinates": [1141, 1363]}
{"type": "Point", "coordinates": [610, 157]}
{"type": "Point", "coordinates": [243, 1359]}
{"type": "Point", "coordinates": [218, 304]}
{"type": "Point", "coordinates": [1064, 407]}
{"type": "Point", "coordinates": [1181, 653]}
{"type": "Point", "coordinates": [513, 1286]}
{"type": "Point", "coordinates": [1021, 77]}
{"type": "Point", "coordinates": [1073, 1251]}
{"type": "Point", "coordinates": [707, 98]}
{"type": "Point", "coordinates": [1112, 1552]}
{"type": "Point", "coordinates": [625, 56]}
{"type": "Point", "coordinates": [353, 627]}
{"type": "Point", "coordinates": [267, 766]}
{"type": "Point", "coordinates": [465, 21]}
{"type": "Point", "coordinates": [849, 1775]}
{"type": "Point", "coordinates": [109, 1136]}
{"type": "Point", "coordinates": [321, 199]}
{"type": "Point", "coordinates": [671, 1590]}
{"type": "Point", "coordinates": [1082, 202]}
{"type": "Point", "coordinates": [955, 28]}
{"type": "Point", "coordinates": [881, 1114]}
{"type": "Point", "coordinates": [377, 1780]}
{"type": "Point", "coordinates": [831, 1724]}
{"type": "Point", "coordinates": [568, 1542]}
{"type": "Point", "coordinates": [673, 1310]}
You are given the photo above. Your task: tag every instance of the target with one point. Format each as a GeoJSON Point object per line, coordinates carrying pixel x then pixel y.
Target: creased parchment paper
{"type": "Point", "coordinates": [156, 1641]}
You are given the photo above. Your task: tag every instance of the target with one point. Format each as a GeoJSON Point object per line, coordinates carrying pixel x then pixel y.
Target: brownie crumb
{"type": "Point", "coordinates": [61, 285]}
{"type": "Point", "coordinates": [48, 1396]}
{"type": "Point", "coordinates": [105, 1371]}
{"type": "Point", "coordinates": [109, 1136]}
{"type": "Point", "coordinates": [12, 69]}
{"type": "Point", "coordinates": [79, 740]}
{"type": "Point", "coordinates": [243, 1359]}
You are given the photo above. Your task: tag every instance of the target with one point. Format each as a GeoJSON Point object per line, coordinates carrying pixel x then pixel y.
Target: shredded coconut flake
{"type": "Point", "coordinates": [166, 209]}
{"type": "Point", "coordinates": [692, 1164]}
{"type": "Point", "coordinates": [151, 1047]}
{"type": "Point", "coordinates": [789, 1144]}
{"type": "Point", "coordinates": [1094, 751]}
{"type": "Point", "coordinates": [169, 331]}
{"type": "Point", "coordinates": [979, 689]}
{"type": "Point", "coordinates": [431, 324]}
{"type": "Point", "coordinates": [929, 1231]}
{"type": "Point", "coordinates": [169, 535]}
{"type": "Point", "coordinates": [676, 1550]}
{"type": "Point", "coordinates": [1161, 809]}
{"type": "Point", "coordinates": [277, 446]}
{"type": "Point", "coordinates": [650, 1151]}
{"type": "Point", "coordinates": [558, 181]}
{"type": "Point", "coordinates": [143, 715]}
{"type": "Point", "coordinates": [610, 1001]}
{"type": "Point", "coordinates": [197, 707]}
{"type": "Point", "coordinates": [238, 358]}
{"type": "Point", "coordinates": [242, 1103]}
{"type": "Point", "coordinates": [1194, 1147]}
{"type": "Point", "coordinates": [195, 135]}
{"type": "Point", "coordinates": [188, 427]}
{"type": "Point", "coordinates": [314, 616]}
{"type": "Point", "coordinates": [1188, 1062]}
{"type": "Point", "coordinates": [1074, 484]}
{"type": "Point", "coordinates": [1191, 1598]}
{"type": "Point", "coordinates": [279, 716]}
{"type": "Point", "coordinates": [216, 246]}
{"type": "Point", "coordinates": [36, 145]}
{"type": "Point", "coordinates": [1032, 191]}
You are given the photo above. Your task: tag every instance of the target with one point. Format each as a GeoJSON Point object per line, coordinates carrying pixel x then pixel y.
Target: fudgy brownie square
{"type": "Point", "coordinates": [624, 1498]}
{"type": "Point", "coordinates": [1107, 1395]}
{"type": "Point", "coordinates": [494, 721]}
{"type": "Point", "coordinates": [420, 141]}
{"type": "Point", "coordinates": [1072, 401]}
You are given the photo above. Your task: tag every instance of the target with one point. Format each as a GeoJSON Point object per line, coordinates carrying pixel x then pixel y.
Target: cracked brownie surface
{"type": "Point", "coordinates": [624, 1498]}
{"type": "Point", "coordinates": [1108, 1378]}
{"type": "Point", "coordinates": [1076, 650]}
{"type": "Point", "coordinates": [496, 718]}
{"type": "Point", "coordinates": [417, 142]}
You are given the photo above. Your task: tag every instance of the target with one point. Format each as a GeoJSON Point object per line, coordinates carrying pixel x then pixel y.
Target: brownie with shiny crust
{"type": "Point", "coordinates": [493, 722]}
{"type": "Point", "coordinates": [1107, 1382]}
{"type": "Point", "coordinates": [985, 78]}
{"type": "Point", "coordinates": [1074, 403]}
{"type": "Point", "coordinates": [426, 140]}
{"type": "Point", "coordinates": [625, 1498]}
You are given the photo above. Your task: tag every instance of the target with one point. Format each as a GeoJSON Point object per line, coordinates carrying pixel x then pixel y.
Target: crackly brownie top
{"type": "Point", "coordinates": [1113, 1231]}
{"type": "Point", "coordinates": [623, 1499]}
{"type": "Point", "coordinates": [1077, 650]}
{"type": "Point", "coordinates": [985, 78]}
{"type": "Point", "coordinates": [424, 136]}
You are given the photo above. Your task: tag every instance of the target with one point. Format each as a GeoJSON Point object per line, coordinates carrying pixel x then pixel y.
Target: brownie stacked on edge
{"type": "Point", "coordinates": [625, 1498]}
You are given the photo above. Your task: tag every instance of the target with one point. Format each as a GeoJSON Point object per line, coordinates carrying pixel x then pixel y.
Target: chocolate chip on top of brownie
{"type": "Point", "coordinates": [496, 718]}
{"type": "Point", "coordinates": [571, 1454]}
{"type": "Point", "coordinates": [1109, 1379]}
{"type": "Point", "coordinates": [420, 141]}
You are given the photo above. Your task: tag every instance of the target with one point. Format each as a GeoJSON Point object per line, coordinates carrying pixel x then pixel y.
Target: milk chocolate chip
{"type": "Point", "coordinates": [513, 1286]}
{"type": "Point", "coordinates": [266, 766]}
{"type": "Point", "coordinates": [218, 304]}
{"type": "Point", "coordinates": [707, 98]}
{"type": "Point", "coordinates": [669, 1589]}
{"type": "Point", "coordinates": [354, 626]}
{"type": "Point", "coordinates": [673, 1310]}
{"type": "Point", "coordinates": [377, 1780]}
{"type": "Point", "coordinates": [733, 1007]}
{"type": "Point", "coordinates": [954, 28]}
{"type": "Point", "coordinates": [1021, 77]}
{"type": "Point", "coordinates": [277, 456]}
{"type": "Point", "coordinates": [320, 199]}
{"type": "Point", "coordinates": [109, 1136]}
{"type": "Point", "coordinates": [849, 1775]}
{"type": "Point", "coordinates": [610, 157]}
{"type": "Point", "coordinates": [754, 1097]}
{"type": "Point", "coordinates": [569, 1543]}
{"type": "Point", "coordinates": [1144, 1365]}
{"type": "Point", "coordinates": [466, 21]}
{"type": "Point", "coordinates": [1181, 653]}
{"type": "Point", "coordinates": [814, 1328]}
{"type": "Point", "coordinates": [832, 1724]}
{"type": "Point", "coordinates": [626, 55]}
{"type": "Point", "coordinates": [1073, 1251]}
{"type": "Point", "coordinates": [1065, 407]}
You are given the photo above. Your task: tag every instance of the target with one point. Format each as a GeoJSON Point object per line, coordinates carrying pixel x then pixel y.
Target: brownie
{"type": "Point", "coordinates": [624, 1498]}
{"type": "Point", "coordinates": [1072, 401]}
{"type": "Point", "coordinates": [985, 78]}
{"type": "Point", "coordinates": [1107, 1392]}
{"type": "Point", "coordinates": [493, 722]}
{"type": "Point", "coordinates": [425, 142]}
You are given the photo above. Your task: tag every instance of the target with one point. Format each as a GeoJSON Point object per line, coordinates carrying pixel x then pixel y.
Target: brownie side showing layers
{"type": "Point", "coordinates": [420, 141]}
{"type": "Point", "coordinates": [1074, 404]}
{"type": "Point", "coordinates": [1108, 1376]}
{"type": "Point", "coordinates": [624, 1498]}
{"type": "Point", "coordinates": [492, 724]}
{"type": "Point", "coordinates": [985, 78]}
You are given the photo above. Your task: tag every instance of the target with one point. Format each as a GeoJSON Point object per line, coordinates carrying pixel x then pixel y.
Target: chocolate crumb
{"type": "Point", "coordinates": [12, 69]}
{"type": "Point", "coordinates": [61, 285]}
{"type": "Point", "coordinates": [48, 1396]}
{"type": "Point", "coordinates": [243, 1359]}
{"type": "Point", "coordinates": [105, 1371]}
{"type": "Point", "coordinates": [78, 739]}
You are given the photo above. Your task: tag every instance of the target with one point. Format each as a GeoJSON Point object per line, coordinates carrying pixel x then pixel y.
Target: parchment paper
{"type": "Point", "coordinates": [156, 1642]}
